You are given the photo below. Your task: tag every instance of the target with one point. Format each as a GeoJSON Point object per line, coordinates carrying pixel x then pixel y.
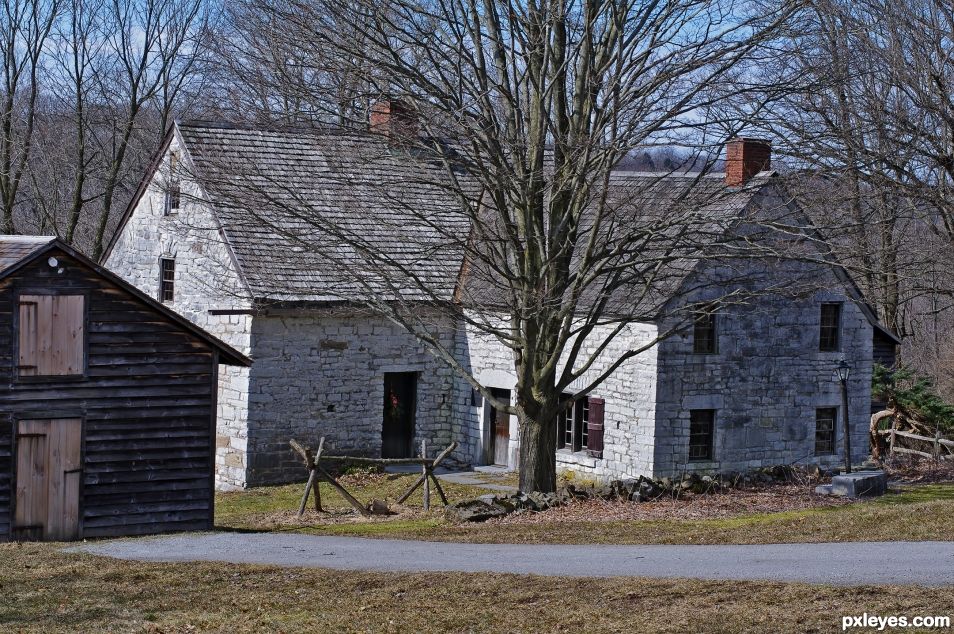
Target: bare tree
{"type": "Point", "coordinates": [24, 29]}
{"type": "Point", "coordinates": [151, 50]}
{"type": "Point", "coordinates": [871, 126]}
{"type": "Point", "coordinates": [274, 69]}
{"type": "Point", "coordinates": [517, 114]}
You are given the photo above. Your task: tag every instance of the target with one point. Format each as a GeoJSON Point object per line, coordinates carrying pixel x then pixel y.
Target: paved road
{"type": "Point", "coordinates": [927, 563]}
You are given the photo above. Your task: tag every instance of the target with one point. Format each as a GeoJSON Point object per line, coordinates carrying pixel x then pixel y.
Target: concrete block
{"type": "Point", "coordinates": [860, 484]}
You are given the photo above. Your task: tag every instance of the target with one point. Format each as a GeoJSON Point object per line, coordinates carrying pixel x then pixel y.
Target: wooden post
{"type": "Point", "coordinates": [304, 498]}
{"type": "Point", "coordinates": [426, 473]}
{"type": "Point", "coordinates": [893, 436]}
{"type": "Point", "coordinates": [440, 458]}
{"type": "Point", "coordinates": [937, 444]}
{"type": "Point", "coordinates": [360, 508]}
{"type": "Point", "coordinates": [440, 491]}
{"type": "Point", "coordinates": [317, 487]}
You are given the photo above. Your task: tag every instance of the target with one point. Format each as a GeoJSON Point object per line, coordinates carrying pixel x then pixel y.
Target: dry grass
{"type": "Point", "coordinates": [276, 508]}
{"type": "Point", "coordinates": [773, 514]}
{"type": "Point", "coordinates": [48, 591]}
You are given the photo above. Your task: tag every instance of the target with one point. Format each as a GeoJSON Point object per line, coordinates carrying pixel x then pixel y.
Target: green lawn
{"type": "Point", "coordinates": [45, 590]}
{"type": "Point", "coordinates": [918, 513]}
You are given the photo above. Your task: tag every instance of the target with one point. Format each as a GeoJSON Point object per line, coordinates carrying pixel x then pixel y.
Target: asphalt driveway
{"type": "Point", "coordinates": [854, 563]}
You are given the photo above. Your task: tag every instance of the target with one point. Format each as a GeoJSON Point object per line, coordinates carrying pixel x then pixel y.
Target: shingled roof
{"type": "Point", "coordinates": [277, 193]}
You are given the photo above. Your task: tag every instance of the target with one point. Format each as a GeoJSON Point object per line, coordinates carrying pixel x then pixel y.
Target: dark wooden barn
{"type": "Point", "coordinates": [107, 402]}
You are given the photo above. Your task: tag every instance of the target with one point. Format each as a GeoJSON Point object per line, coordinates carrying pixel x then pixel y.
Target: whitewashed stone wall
{"type": "Point", "coordinates": [321, 373]}
{"type": "Point", "coordinates": [205, 279]}
{"type": "Point", "coordinates": [765, 383]}
{"type": "Point", "coordinates": [629, 394]}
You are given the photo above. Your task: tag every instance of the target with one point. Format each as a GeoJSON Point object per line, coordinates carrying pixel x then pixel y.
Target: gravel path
{"type": "Point", "coordinates": [923, 563]}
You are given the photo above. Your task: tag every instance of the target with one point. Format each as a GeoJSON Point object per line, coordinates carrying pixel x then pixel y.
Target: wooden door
{"type": "Point", "coordinates": [500, 428]}
{"type": "Point", "coordinates": [48, 479]}
{"type": "Point", "coordinates": [51, 335]}
{"type": "Point", "coordinates": [400, 409]}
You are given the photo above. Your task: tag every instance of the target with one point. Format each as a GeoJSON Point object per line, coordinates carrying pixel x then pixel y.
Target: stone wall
{"type": "Point", "coordinates": [765, 381]}
{"type": "Point", "coordinates": [205, 279]}
{"type": "Point", "coordinates": [321, 373]}
{"type": "Point", "coordinates": [629, 395]}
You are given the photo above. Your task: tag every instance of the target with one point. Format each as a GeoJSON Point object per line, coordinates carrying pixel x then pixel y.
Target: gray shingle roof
{"type": "Point", "coordinates": [277, 193]}
{"type": "Point", "coordinates": [14, 249]}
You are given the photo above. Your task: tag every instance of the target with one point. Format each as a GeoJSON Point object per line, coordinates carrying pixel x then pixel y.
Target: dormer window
{"type": "Point", "coordinates": [173, 187]}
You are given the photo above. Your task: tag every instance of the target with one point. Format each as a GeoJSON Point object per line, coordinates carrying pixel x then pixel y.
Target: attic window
{"type": "Point", "coordinates": [173, 187]}
{"type": "Point", "coordinates": [51, 335]}
{"type": "Point", "coordinates": [167, 278]}
{"type": "Point", "coordinates": [829, 331]}
{"type": "Point", "coordinates": [704, 333]}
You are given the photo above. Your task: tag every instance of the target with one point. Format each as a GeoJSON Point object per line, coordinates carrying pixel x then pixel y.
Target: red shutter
{"type": "Point", "coordinates": [594, 436]}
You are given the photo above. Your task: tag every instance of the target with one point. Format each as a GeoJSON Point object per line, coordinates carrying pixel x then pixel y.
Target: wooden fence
{"type": "Point", "coordinates": [940, 448]}
{"type": "Point", "coordinates": [317, 473]}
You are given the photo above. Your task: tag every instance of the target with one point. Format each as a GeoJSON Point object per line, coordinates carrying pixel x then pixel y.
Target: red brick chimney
{"type": "Point", "coordinates": [744, 158]}
{"type": "Point", "coordinates": [393, 118]}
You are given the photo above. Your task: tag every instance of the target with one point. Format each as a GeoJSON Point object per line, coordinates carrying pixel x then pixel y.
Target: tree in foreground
{"type": "Point", "coordinates": [502, 126]}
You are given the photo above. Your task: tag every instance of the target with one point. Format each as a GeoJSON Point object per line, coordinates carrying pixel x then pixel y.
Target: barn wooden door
{"type": "Point", "coordinates": [48, 479]}
{"type": "Point", "coordinates": [500, 428]}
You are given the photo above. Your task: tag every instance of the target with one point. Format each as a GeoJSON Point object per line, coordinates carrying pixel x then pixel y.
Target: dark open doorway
{"type": "Point", "coordinates": [400, 404]}
{"type": "Point", "coordinates": [499, 429]}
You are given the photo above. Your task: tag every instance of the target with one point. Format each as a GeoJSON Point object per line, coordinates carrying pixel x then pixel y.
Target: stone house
{"type": "Point", "coordinates": [747, 386]}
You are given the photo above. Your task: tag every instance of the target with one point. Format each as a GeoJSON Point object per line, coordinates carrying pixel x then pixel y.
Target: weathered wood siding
{"type": "Point", "coordinates": [147, 401]}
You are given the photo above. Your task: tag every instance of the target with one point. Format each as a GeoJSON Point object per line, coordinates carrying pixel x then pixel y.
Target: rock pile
{"type": "Point", "coordinates": [642, 489]}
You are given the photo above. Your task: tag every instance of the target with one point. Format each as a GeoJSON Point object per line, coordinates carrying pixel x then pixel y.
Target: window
{"type": "Point", "coordinates": [825, 418]}
{"type": "Point", "coordinates": [704, 333]}
{"type": "Point", "coordinates": [173, 188]}
{"type": "Point", "coordinates": [566, 427]}
{"type": "Point", "coordinates": [580, 426]}
{"type": "Point", "coordinates": [701, 426]}
{"type": "Point", "coordinates": [830, 326]}
{"type": "Point", "coordinates": [167, 278]}
{"type": "Point", "coordinates": [51, 337]}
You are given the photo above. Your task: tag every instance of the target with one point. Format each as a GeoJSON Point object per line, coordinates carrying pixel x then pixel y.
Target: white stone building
{"type": "Point", "coordinates": [750, 387]}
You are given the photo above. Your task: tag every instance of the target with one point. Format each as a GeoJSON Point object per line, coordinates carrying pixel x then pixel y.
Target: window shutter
{"type": "Point", "coordinates": [51, 337]}
{"type": "Point", "coordinates": [594, 440]}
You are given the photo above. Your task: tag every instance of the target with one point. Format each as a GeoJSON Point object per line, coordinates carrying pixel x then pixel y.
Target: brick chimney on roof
{"type": "Point", "coordinates": [744, 158]}
{"type": "Point", "coordinates": [394, 119]}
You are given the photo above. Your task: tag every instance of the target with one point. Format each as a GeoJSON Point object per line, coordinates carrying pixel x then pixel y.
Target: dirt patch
{"type": "Point", "coordinates": [773, 498]}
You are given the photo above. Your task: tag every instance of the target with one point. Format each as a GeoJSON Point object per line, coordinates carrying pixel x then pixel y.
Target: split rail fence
{"type": "Point", "coordinates": [940, 448]}
{"type": "Point", "coordinates": [317, 473]}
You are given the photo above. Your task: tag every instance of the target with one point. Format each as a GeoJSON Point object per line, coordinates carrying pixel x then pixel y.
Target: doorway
{"type": "Point", "coordinates": [500, 429]}
{"type": "Point", "coordinates": [48, 479]}
{"type": "Point", "coordinates": [400, 409]}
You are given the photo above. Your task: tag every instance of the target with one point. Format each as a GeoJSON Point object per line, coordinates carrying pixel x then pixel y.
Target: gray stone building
{"type": "Point", "coordinates": [745, 386]}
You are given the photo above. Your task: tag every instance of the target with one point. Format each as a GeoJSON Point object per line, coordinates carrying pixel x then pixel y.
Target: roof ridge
{"type": "Point", "coordinates": [250, 126]}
